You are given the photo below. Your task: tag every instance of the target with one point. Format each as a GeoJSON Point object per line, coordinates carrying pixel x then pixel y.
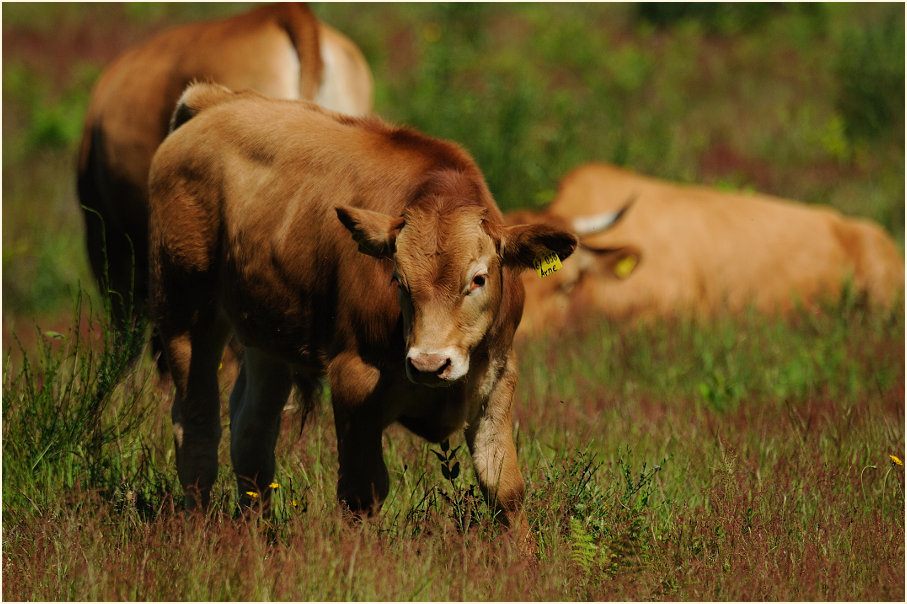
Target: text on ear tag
{"type": "Point", "coordinates": [546, 263]}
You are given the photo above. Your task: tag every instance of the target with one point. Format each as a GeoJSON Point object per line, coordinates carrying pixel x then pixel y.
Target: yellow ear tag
{"type": "Point", "coordinates": [547, 263]}
{"type": "Point", "coordinates": [625, 266]}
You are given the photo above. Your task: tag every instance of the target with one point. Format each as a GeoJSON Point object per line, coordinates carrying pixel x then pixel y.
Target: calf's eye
{"type": "Point", "coordinates": [478, 281]}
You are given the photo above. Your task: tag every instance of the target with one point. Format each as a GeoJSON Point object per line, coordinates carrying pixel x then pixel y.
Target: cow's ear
{"type": "Point", "coordinates": [523, 244]}
{"type": "Point", "coordinates": [376, 233]}
{"type": "Point", "coordinates": [607, 262]}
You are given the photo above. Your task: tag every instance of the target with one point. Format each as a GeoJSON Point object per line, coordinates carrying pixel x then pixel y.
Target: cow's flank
{"type": "Point", "coordinates": [370, 254]}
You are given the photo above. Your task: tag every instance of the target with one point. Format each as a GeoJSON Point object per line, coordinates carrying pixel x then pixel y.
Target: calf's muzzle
{"type": "Point", "coordinates": [430, 368]}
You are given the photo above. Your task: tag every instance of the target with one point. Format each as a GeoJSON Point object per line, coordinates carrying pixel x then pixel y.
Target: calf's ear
{"type": "Point", "coordinates": [522, 244]}
{"type": "Point", "coordinates": [376, 233]}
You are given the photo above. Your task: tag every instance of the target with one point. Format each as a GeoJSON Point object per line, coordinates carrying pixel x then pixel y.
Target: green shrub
{"type": "Point", "coordinates": [53, 120]}
{"type": "Point", "coordinates": [722, 17]}
{"type": "Point", "coordinates": [870, 68]}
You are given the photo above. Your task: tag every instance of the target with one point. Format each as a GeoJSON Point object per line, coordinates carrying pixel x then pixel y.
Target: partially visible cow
{"type": "Point", "coordinates": [691, 251]}
{"type": "Point", "coordinates": [408, 302]}
{"type": "Point", "coordinates": [279, 50]}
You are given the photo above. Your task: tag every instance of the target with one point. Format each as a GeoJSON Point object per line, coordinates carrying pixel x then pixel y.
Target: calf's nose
{"type": "Point", "coordinates": [429, 363]}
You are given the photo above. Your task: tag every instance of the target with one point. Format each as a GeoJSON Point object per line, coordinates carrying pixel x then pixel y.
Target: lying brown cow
{"type": "Point", "coordinates": [280, 50]}
{"type": "Point", "coordinates": [412, 325]}
{"type": "Point", "coordinates": [684, 250]}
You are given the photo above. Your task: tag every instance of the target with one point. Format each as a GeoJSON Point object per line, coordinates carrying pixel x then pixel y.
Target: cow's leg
{"type": "Point", "coordinates": [363, 482]}
{"type": "Point", "coordinates": [256, 402]}
{"type": "Point", "coordinates": [193, 343]}
{"type": "Point", "coordinates": [490, 440]}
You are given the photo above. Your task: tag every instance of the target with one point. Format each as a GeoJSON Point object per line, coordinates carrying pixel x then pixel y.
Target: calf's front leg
{"type": "Point", "coordinates": [363, 482]}
{"type": "Point", "coordinates": [490, 441]}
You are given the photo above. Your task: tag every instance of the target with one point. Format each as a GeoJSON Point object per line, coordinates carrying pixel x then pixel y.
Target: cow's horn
{"type": "Point", "coordinates": [596, 223]}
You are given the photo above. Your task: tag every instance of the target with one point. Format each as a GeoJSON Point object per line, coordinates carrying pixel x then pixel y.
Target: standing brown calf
{"type": "Point", "coordinates": [279, 50]}
{"type": "Point", "coordinates": [341, 247]}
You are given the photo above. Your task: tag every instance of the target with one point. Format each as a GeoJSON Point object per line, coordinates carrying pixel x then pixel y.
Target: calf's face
{"type": "Point", "coordinates": [449, 261]}
{"type": "Point", "coordinates": [448, 276]}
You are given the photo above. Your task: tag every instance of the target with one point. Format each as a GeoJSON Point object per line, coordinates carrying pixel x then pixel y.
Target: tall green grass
{"type": "Point", "coordinates": [74, 415]}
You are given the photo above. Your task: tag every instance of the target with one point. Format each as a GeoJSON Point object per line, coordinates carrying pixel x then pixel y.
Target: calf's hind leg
{"type": "Point", "coordinates": [256, 403]}
{"type": "Point", "coordinates": [193, 351]}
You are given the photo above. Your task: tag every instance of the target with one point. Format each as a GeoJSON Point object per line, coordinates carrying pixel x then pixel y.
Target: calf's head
{"type": "Point", "coordinates": [449, 255]}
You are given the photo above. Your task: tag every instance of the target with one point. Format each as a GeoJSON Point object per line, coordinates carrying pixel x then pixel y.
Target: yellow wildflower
{"type": "Point", "coordinates": [896, 461]}
{"type": "Point", "coordinates": [274, 485]}
{"type": "Point", "coordinates": [252, 494]}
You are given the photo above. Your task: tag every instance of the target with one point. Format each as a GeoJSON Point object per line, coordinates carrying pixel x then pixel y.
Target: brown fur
{"type": "Point", "coordinates": [344, 247]}
{"type": "Point", "coordinates": [702, 251]}
{"type": "Point", "coordinates": [279, 50]}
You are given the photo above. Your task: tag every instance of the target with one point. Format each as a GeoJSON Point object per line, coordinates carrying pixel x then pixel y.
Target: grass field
{"type": "Point", "coordinates": [748, 458]}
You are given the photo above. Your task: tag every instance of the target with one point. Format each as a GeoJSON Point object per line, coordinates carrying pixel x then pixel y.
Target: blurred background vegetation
{"type": "Point", "coordinates": [804, 101]}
